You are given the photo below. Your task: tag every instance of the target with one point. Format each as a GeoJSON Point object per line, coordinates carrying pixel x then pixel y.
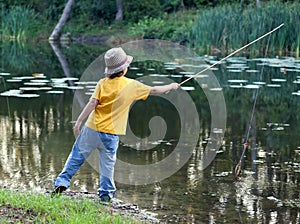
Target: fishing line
{"type": "Point", "coordinates": [245, 142]}
{"type": "Point", "coordinates": [7, 100]}
{"type": "Point", "coordinates": [238, 50]}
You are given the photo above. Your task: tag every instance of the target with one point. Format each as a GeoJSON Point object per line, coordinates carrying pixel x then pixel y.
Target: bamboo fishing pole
{"type": "Point", "coordinates": [238, 50]}
{"type": "Point", "coordinates": [245, 145]}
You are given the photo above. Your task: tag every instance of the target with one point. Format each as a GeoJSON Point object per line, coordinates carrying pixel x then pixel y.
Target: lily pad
{"type": "Point", "coordinates": [252, 86]}
{"type": "Point", "coordinates": [86, 83]}
{"type": "Point", "coordinates": [14, 80]}
{"type": "Point", "coordinates": [134, 68]}
{"type": "Point", "coordinates": [259, 83]}
{"type": "Point", "coordinates": [158, 82]}
{"type": "Point", "coordinates": [236, 86]}
{"type": "Point", "coordinates": [4, 73]}
{"type": "Point", "coordinates": [74, 87]}
{"type": "Point", "coordinates": [28, 95]}
{"type": "Point", "coordinates": [40, 80]}
{"type": "Point", "coordinates": [18, 93]}
{"type": "Point", "coordinates": [157, 75]}
{"type": "Point", "coordinates": [215, 89]}
{"type": "Point", "coordinates": [29, 88]}
{"type": "Point", "coordinates": [235, 70]}
{"type": "Point", "coordinates": [23, 77]}
{"type": "Point", "coordinates": [296, 82]}
{"type": "Point", "coordinates": [274, 85]}
{"type": "Point", "coordinates": [170, 68]}
{"type": "Point", "coordinates": [34, 84]}
{"type": "Point", "coordinates": [252, 71]}
{"type": "Point", "coordinates": [45, 88]}
{"type": "Point", "coordinates": [237, 81]}
{"type": "Point", "coordinates": [12, 92]}
{"type": "Point", "coordinates": [171, 63]}
{"type": "Point", "coordinates": [278, 80]}
{"type": "Point", "coordinates": [188, 88]}
{"type": "Point", "coordinates": [176, 76]}
{"type": "Point", "coordinates": [55, 92]}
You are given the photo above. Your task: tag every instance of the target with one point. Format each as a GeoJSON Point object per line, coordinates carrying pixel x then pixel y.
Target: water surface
{"type": "Point", "coordinates": [36, 136]}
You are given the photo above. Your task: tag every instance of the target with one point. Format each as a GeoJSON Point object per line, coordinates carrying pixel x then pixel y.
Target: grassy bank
{"type": "Point", "coordinates": [207, 30]}
{"type": "Point", "coordinates": [16, 207]}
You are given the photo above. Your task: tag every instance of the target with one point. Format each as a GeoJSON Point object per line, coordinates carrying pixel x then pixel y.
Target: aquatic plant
{"type": "Point", "coordinates": [15, 22]}
{"type": "Point", "coordinates": [230, 26]}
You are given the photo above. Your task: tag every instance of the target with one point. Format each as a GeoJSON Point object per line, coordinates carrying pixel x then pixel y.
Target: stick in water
{"type": "Point", "coordinates": [218, 62]}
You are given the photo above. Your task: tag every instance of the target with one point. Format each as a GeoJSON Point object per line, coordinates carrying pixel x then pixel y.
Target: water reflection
{"type": "Point", "coordinates": [36, 137]}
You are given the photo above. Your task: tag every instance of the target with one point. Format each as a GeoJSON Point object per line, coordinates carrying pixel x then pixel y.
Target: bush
{"type": "Point", "coordinates": [137, 10]}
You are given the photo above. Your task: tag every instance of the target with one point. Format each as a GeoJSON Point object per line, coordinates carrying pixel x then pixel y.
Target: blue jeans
{"type": "Point", "coordinates": [86, 142]}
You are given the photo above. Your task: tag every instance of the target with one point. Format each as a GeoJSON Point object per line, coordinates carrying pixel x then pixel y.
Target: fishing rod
{"type": "Point", "coordinates": [245, 145]}
{"type": "Point", "coordinates": [238, 50]}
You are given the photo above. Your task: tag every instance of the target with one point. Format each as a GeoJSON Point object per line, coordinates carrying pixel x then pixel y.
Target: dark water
{"type": "Point", "coordinates": [36, 137]}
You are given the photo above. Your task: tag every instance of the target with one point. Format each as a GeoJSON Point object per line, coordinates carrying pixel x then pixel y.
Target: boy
{"type": "Point", "coordinates": [107, 112]}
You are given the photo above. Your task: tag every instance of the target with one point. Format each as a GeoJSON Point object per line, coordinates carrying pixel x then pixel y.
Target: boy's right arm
{"type": "Point", "coordinates": [163, 89]}
{"type": "Point", "coordinates": [85, 112]}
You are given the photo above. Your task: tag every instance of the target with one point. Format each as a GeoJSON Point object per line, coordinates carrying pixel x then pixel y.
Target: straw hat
{"type": "Point", "coordinates": [116, 60]}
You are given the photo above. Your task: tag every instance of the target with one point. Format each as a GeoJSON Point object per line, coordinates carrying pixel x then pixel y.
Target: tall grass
{"type": "Point", "coordinates": [232, 26]}
{"type": "Point", "coordinates": [15, 22]}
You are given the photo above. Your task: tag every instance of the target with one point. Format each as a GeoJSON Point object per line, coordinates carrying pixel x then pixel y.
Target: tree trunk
{"type": "Point", "coordinates": [119, 15]}
{"type": "Point", "coordinates": [62, 21]}
{"type": "Point", "coordinates": [258, 3]}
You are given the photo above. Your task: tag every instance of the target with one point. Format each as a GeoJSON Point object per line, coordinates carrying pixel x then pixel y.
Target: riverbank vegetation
{"type": "Point", "coordinates": [206, 26]}
{"type": "Point", "coordinates": [26, 207]}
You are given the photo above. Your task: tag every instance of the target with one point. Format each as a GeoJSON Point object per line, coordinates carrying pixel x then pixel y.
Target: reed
{"type": "Point", "coordinates": [15, 22]}
{"type": "Point", "coordinates": [230, 26]}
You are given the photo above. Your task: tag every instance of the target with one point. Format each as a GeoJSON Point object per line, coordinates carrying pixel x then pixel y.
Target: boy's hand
{"type": "Point", "coordinates": [77, 128]}
{"type": "Point", "coordinates": [174, 86]}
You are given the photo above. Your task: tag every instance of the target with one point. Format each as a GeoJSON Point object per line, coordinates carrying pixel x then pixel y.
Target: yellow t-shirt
{"type": "Point", "coordinates": [115, 97]}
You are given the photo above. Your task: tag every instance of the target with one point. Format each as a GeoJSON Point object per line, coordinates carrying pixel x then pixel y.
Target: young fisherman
{"type": "Point", "coordinates": [107, 112]}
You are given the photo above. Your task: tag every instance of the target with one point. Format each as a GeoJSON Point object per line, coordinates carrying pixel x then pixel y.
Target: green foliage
{"type": "Point", "coordinates": [95, 11]}
{"type": "Point", "coordinates": [16, 21]}
{"type": "Point", "coordinates": [232, 26]}
{"type": "Point", "coordinates": [223, 26]}
{"type": "Point", "coordinates": [148, 28]}
{"type": "Point", "coordinates": [136, 10]}
{"type": "Point", "coordinates": [173, 27]}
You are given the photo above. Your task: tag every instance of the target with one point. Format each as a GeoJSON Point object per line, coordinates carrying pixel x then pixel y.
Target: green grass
{"type": "Point", "coordinates": [38, 208]}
